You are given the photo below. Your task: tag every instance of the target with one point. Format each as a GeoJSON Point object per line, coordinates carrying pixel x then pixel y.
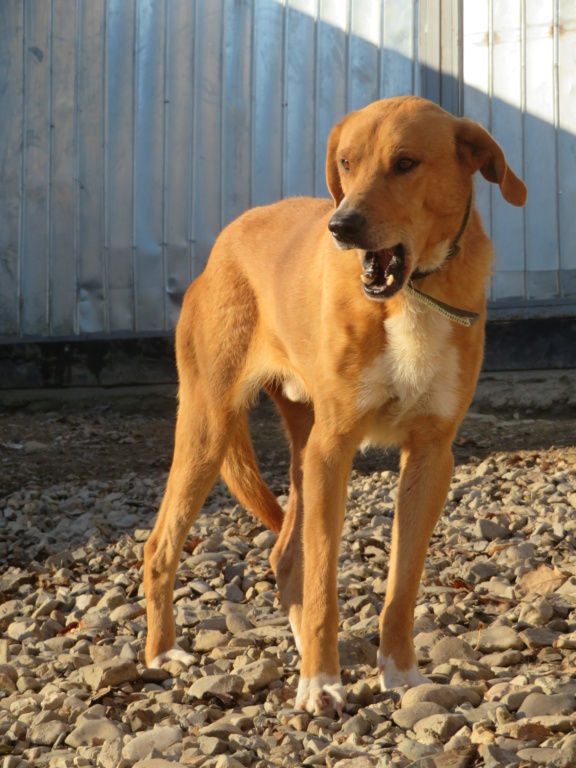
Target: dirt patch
{"type": "Point", "coordinates": [45, 445]}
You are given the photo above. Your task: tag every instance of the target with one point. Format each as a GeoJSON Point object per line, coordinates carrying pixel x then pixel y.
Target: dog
{"type": "Point", "coordinates": [357, 316]}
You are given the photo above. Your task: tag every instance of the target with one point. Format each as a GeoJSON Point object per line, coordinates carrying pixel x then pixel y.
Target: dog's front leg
{"type": "Point", "coordinates": [426, 469]}
{"type": "Point", "coordinates": [327, 466]}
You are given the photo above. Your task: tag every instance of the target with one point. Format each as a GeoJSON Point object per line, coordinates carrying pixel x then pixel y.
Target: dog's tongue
{"type": "Point", "coordinates": [385, 257]}
{"type": "Point", "coordinates": [378, 260]}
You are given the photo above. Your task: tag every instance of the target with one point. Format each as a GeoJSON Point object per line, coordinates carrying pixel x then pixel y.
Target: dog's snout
{"type": "Point", "coordinates": [347, 225]}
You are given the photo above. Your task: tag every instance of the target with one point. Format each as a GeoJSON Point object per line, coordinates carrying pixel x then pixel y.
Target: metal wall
{"type": "Point", "coordinates": [132, 131]}
{"type": "Point", "coordinates": [519, 80]}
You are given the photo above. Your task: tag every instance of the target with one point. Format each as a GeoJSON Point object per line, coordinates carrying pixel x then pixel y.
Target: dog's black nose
{"type": "Point", "coordinates": [346, 225]}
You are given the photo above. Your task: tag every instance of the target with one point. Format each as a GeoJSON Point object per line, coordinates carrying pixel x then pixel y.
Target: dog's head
{"type": "Point", "coordinates": [400, 174]}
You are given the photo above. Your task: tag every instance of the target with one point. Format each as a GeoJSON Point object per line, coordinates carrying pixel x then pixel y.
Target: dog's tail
{"type": "Point", "coordinates": [241, 474]}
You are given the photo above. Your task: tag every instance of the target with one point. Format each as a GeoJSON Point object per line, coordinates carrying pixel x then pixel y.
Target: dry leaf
{"type": "Point", "coordinates": [542, 581]}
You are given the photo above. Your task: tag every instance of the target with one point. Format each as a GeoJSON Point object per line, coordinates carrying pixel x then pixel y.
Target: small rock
{"type": "Point", "coordinates": [541, 704]}
{"type": "Point", "coordinates": [93, 731]}
{"type": "Point", "coordinates": [357, 725]}
{"type": "Point", "coordinates": [494, 639]}
{"type": "Point", "coordinates": [45, 734]}
{"type": "Point", "coordinates": [211, 745]}
{"type": "Point", "coordinates": [409, 715]}
{"type": "Point", "coordinates": [445, 695]}
{"type": "Point", "coordinates": [259, 674]}
{"type": "Point", "coordinates": [489, 530]}
{"type": "Point", "coordinates": [113, 672]}
{"type": "Point", "coordinates": [231, 685]}
{"type": "Point", "coordinates": [159, 738]}
{"type": "Point", "coordinates": [442, 726]}
{"type": "Point", "coordinates": [452, 648]}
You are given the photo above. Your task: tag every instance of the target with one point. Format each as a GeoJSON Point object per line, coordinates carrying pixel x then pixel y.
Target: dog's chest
{"type": "Point", "coordinates": [417, 371]}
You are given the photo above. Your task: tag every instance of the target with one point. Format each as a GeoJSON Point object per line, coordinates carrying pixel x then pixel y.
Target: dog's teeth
{"type": "Point", "coordinates": [390, 279]}
{"type": "Point", "coordinates": [367, 280]}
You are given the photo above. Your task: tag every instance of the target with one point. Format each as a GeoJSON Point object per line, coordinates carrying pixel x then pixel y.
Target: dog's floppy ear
{"type": "Point", "coordinates": [479, 150]}
{"type": "Point", "coordinates": [332, 173]}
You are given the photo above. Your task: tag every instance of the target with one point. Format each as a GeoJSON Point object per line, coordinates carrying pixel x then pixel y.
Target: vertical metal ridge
{"type": "Point", "coordinates": [165, 108]}
{"type": "Point", "coordinates": [192, 170]}
{"type": "Point", "coordinates": [76, 196]}
{"type": "Point", "coordinates": [556, 106]}
{"type": "Point", "coordinates": [223, 37]}
{"type": "Point", "coordinates": [524, 159]}
{"type": "Point", "coordinates": [283, 102]}
{"type": "Point", "coordinates": [315, 80]}
{"type": "Point", "coordinates": [347, 57]}
{"type": "Point", "coordinates": [49, 201]}
{"type": "Point", "coordinates": [105, 159]}
{"type": "Point", "coordinates": [416, 77]}
{"type": "Point", "coordinates": [22, 207]}
{"type": "Point", "coordinates": [135, 77]}
{"type": "Point", "coordinates": [251, 105]}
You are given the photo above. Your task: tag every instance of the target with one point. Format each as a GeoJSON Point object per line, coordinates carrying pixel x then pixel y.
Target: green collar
{"type": "Point", "coordinates": [460, 316]}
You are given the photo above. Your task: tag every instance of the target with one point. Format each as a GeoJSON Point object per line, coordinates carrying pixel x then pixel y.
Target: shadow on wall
{"type": "Point", "coordinates": [136, 131]}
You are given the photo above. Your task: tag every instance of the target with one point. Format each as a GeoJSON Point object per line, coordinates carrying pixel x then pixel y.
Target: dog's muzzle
{"type": "Point", "coordinates": [384, 272]}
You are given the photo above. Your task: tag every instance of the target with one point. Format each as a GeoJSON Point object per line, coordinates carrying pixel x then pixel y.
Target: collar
{"type": "Point", "coordinates": [460, 316]}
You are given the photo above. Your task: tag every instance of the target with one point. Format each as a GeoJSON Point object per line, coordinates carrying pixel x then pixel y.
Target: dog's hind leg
{"type": "Point", "coordinates": [202, 434]}
{"type": "Point", "coordinates": [287, 558]}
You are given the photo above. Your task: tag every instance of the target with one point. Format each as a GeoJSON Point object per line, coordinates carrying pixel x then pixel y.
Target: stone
{"type": "Point", "coordinates": [442, 726]}
{"type": "Point", "coordinates": [110, 756]}
{"type": "Point", "coordinates": [227, 761]}
{"type": "Point", "coordinates": [357, 725]}
{"type": "Point", "coordinates": [452, 648]}
{"type": "Point", "coordinates": [494, 757]}
{"type": "Point", "coordinates": [409, 715]}
{"type": "Point", "coordinates": [212, 745]}
{"type": "Point", "coordinates": [445, 695]}
{"type": "Point", "coordinates": [208, 639]}
{"type": "Point", "coordinates": [539, 637]}
{"type": "Point", "coordinates": [259, 674]}
{"type": "Point", "coordinates": [45, 734]}
{"type": "Point", "coordinates": [229, 685]}
{"type": "Point", "coordinates": [490, 530]}
{"type": "Point", "coordinates": [157, 762]}
{"type": "Point", "coordinates": [92, 732]}
{"type": "Point", "coordinates": [113, 672]}
{"type": "Point", "coordinates": [355, 651]}
{"type": "Point", "coordinates": [541, 704]}
{"type": "Point", "coordinates": [159, 738]}
{"type": "Point", "coordinates": [494, 639]}
{"type": "Point", "coordinates": [414, 750]}
{"type": "Point", "coordinates": [541, 755]}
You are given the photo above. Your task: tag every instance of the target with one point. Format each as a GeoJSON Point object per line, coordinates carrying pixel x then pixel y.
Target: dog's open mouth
{"type": "Point", "coordinates": [383, 272]}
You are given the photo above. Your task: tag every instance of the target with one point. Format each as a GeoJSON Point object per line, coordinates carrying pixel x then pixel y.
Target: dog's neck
{"type": "Point", "coordinates": [460, 316]}
{"type": "Point", "coordinates": [454, 249]}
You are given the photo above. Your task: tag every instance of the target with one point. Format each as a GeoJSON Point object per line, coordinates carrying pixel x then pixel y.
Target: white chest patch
{"type": "Point", "coordinates": [419, 367]}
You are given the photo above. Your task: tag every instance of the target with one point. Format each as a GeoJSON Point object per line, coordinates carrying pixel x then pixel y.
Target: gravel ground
{"type": "Point", "coordinates": [496, 615]}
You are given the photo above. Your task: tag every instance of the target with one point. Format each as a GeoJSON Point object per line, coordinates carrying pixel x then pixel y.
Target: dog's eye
{"type": "Point", "coordinates": [345, 164]}
{"type": "Point", "coordinates": [405, 164]}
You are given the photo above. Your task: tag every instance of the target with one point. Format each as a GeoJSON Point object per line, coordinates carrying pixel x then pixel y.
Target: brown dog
{"type": "Point", "coordinates": [317, 305]}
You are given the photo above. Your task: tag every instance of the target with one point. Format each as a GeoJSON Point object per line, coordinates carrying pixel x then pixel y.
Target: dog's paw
{"type": "Point", "coordinates": [172, 654]}
{"type": "Point", "coordinates": [392, 677]}
{"type": "Point", "coordinates": [321, 695]}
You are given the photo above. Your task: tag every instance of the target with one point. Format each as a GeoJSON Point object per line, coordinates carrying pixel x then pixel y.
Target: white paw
{"type": "Point", "coordinates": [172, 654]}
{"type": "Point", "coordinates": [321, 695]}
{"type": "Point", "coordinates": [392, 677]}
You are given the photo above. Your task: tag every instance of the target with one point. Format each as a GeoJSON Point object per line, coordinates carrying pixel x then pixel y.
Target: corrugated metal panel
{"type": "Point", "coordinates": [134, 130]}
{"type": "Point", "coordinates": [519, 75]}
